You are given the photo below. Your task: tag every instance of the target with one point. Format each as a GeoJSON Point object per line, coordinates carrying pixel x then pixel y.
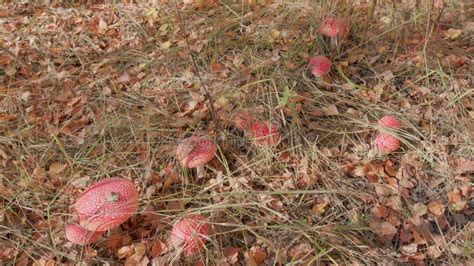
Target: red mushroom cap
{"type": "Point", "coordinates": [389, 121]}
{"type": "Point", "coordinates": [195, 151]}
{"type": "Point", "coordinates": [334, 26]}
{"type": "Point", "coordinates": [190, 234]}
{"type": "Point", "coordinates": [243, 120]}
{"type": "Point", "coordinates": [264, 134]}
{"type": "Point", "coordinates": [387, 143]}
{"type": "Point", "coordinates": [81, 236]}
{"type": "Point", "coordinates": [107, 204]}
{"type": "Point", "coordinates": [320, 65]}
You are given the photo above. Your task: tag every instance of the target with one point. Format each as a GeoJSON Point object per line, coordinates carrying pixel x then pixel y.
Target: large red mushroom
{"type": "Point", "coordinates": [389, 121]}
{"type": "Point", "coordinates": [387, 143]}
{"type": "Point", "coordinates": [264, 134]}
{"type": "Point", "coordinates": [195, 152]}
{"type": "Point", "coordinates": [243, 120]}
{"type": "Point", "coordinates": [334, 27]}
{"type": "Point", "coordinates": [320, 66]}
{"type": "Point", "coordinates": [107, 204]}
{"type": "Point", "coordinates": [190, 234]}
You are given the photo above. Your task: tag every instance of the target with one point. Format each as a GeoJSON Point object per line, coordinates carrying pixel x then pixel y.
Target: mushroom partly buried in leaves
{"type": "Point", "coordinates": [107, 204]}
{"type": "Point", "coordinates": [387, 143]}
{"type": "Point", "coordinates": [190, 234]}
{"type": "Point", "coordinates": [334, 27]}
{"type": "Point", "coordinates": [389, 121]}
{"type": "Point", "coordinates": [81, 236]}
{"type": "Point", "coordinates": [264, 134]}
{"type": "Point", "coordinates": [320, 66]}
{"type": "Point", "coordinates": [243, 120]}
{"type": "Point", "coordinates": [195, 152]}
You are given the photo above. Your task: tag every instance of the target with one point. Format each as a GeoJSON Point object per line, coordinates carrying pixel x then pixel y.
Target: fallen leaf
{"type": "Point", "coordinates": [80, 182]}
{"type": "Point", "coordinates": [125, 252]}
{"type": "Point", "coordinates": [454, 61]}
{"type": "Point", "coordinates": [232, 253]}
{"type": "Point", "coordinates": [462, 165]}
{"type": "Point", "coordinates": [434, 252]}
{"type": "Point", "coordinates": [139, 251]}
{"type": "Point", "coordinates": [452, 34]}
{"type": "Point", "coordinates": [166, 45]}
{"type": "Point", "coordinates": [5, 59]}
{"type": "Point", "coordinates": [436, 208]}
{"type": "Point", "coordinates": [258, 255]}
{"type": "Point", "coordinates": [330, 110]}
{"type": "Point", "coordinates": [10, 70]}
{"type": "Point", "coordinates": [274, 33]}
{"type": "Point", "coordinates": [102, 25]}
{"type": "Point", "coordinates": [388, 229]}
{"type": "Point", "coordinates": [409, 250]}
{"type": "Point", "coordinates": [469, 27]}
{"type": "Point", "coordinates": [56, 168]}
{"type": "Point", "coordinates": [320, 208]}
{"type": "Point", "coordinates": [419, 209]}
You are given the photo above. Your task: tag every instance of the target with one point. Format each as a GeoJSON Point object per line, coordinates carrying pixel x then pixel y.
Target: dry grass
{"type": "Point", "coordinates": [78, 118]}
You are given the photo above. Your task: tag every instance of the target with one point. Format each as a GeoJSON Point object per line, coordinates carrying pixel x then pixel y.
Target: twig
{"type": "Point", "coordinates": [215, 119]}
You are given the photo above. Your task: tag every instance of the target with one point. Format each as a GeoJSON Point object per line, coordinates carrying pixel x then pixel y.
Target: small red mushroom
{"type": "Point", "coordinates": [389, 121]}
{"type": "Point", "coordinates": [195, 152]}
{"type": "Point", "coordinates": [81, 236]}
{"type": "Point", "coordinates": [387, 143]}
{"type": "Point", "coordinates": [243, 120]}
{"type": "Point", "coordinates": [107, 204]}
{"type": "Point", "coordinates": [334, 27]}
{"type": "Point", "coordinates": [264, 134]}
{"type": "Point", "coordinates": [190, 234]}
{"type": "Point", "coordinates": [320, 65]}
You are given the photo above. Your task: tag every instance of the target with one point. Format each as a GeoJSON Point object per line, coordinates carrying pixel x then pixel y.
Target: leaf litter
{"type": "Point", "coordinates": [90, 91]}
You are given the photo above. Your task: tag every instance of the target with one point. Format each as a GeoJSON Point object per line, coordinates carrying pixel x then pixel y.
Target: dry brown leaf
{"type": "Point", "coordinates": [125, 252]}
{"type": "Point", "coordinates": [436, 208]}
{"type": "Point", "coordinates": [454, 61]}
{"type": "Point", "coordinates": [231, 254]}
{"type": "Point", "coordinates": [258, 255]}
{"type": "Point", "coordinates": [56, 168]}
{"type": "Point", "coordinates": [409, 250]}
{"type": "Point", "coordinates": [380, 211]}
{"type": "Point", "coordinates": [135, 259]}
{"type": "Point", "coordinates": [456, 200]}
{"type": "Point", "coordinates": [320, 208]}
{"type": "Point", "coordinates": [275, 33]}
{"type": "Point", "coordinates": [5, 59]}
{"type": "Point", "coordinates": [388, 229]}
{"type": "Point", "coordinates": [434, 252]}
{"type": "Point", "coordinates": [330, 110]}
{"type": "Point", "coordinates": [300, 251]}
{"type": "Point", "coordinates": [419, 209]}
{"type": "Point", "coordinates": [462, 165]}
{"type": "Point", "coordinates": [452, 34]}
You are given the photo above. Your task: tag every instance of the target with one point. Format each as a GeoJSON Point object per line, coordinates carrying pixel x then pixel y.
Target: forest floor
{"type": "Point", "coordinates": [95, 91]}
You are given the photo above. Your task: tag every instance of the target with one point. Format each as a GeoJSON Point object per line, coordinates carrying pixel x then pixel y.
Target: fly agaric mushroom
{"type": "Point", "coordinates": [387, 143]}
{"type": "Point", "coordinates": [264, 133]}
{"type": "Point", "coordinates": [389, 121]}
{"type": "Point", "coordinates": [107, 204]}
{"type": "Point", "coordinates": [196, 151]}
{"type": "Point", "coordinates": [334, 27]}
{"type": "Point", "coordinates": [81, 236]}
{"type": "Point", "coordinates": [320, 65]}
{"type": "Point", "coordinates": [243, 120]}
{"type": "Point", "coordinates": [190, 234]}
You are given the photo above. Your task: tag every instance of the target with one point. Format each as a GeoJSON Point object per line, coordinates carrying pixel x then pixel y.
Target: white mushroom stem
{"type": "Point", "coordinates": [333, 43]}
{"type": "Point", "coordinates": [200, 171]}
